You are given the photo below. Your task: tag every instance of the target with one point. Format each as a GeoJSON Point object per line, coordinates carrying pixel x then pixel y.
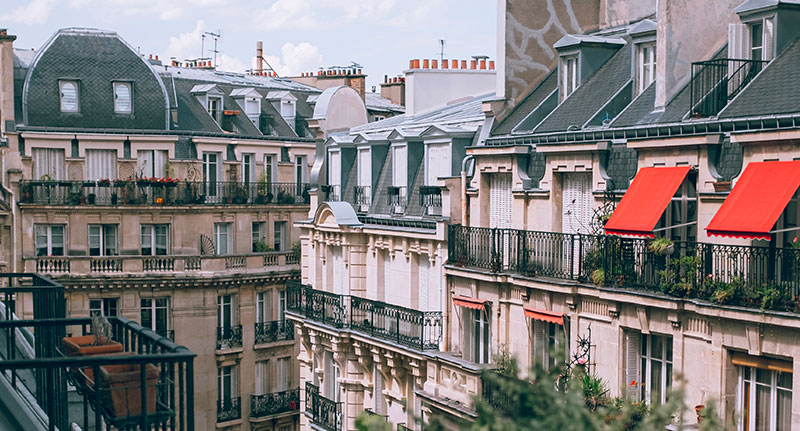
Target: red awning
{"type": "Point", "coordinates": [645, 201]}
{"type": "Point", "coordinates": [466, 301]}
{"type": "Point", "coordinates": [545, 316]}
{"type": "Point", "coordinates": [757, 200]}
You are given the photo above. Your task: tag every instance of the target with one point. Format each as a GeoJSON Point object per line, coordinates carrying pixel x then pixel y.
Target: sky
{"type": "Point", "coordinates": [298, 35]}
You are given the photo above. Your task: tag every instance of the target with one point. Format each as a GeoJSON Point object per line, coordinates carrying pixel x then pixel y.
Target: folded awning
{"type": "Point", "coordinates": [645, 201]}
{"type": "Point", "coordinates": [758, 199]}
{"type": "Point", "coordinates": [467, 302]}
{"type": "Point", "coordinates": [544, 316]}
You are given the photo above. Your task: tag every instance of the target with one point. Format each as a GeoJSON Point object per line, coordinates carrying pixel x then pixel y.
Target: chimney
{"type": "Point", "coordinates": [434, 64]}
{"type": "Point", "coordinates": [425, 63]}
{"type": "Point", "coordinates": [259, 57]}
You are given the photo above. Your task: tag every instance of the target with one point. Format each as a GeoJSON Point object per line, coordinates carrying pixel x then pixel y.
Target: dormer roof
{"type": "Point", "coordinates": [643, 28]}
{"type": "Point", "coordinates": [206, 89]}
{"type": "Point", "coordinates": [281, 95]}
{"type": "Point", "coordinates": [245, 92]}
{"type": "Point", "coordinates": [573, 40]}
{"type": "Point", "coordinates": [751, 6]}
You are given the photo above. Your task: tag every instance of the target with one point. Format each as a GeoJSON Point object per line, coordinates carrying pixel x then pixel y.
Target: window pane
{"type": "Point", "coordinates": [784, 411]}
{"type": "Point", "coordinates": [146, 238]}
{"type": "Point", "coordinates": [94, 240]}
{"type": "Point", "coordinates": [69, 97]}
{"type": "Point", "coordinates": [762, 406]}
{"type": "Point", "coordinates": [655, 382]}
{"type": "Point", "coordinates": [122, 97]}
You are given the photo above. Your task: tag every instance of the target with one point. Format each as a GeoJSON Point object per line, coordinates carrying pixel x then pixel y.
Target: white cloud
{"type": "Point", "coordinates": [186, 45]}
{"type": "Point", "coordinates": [35, 12]}
{"type": "Point", "coordinates": [295, 59]}
{"type": "Point", "coordinates": [318, 14]}
{"type": "Point", "coordinates": [165, 10]}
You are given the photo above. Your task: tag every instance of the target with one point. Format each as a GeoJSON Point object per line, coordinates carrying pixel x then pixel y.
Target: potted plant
{"type": "Point", "coordinates": [114, 199]}
{"type": "Point", "coordinates": [99, 342]}
{"type": "Point", "coordinates": [240, 195]}
{"type": "Point", "coordinates": [75, 198]}
{"type": "Point", "coordinates": [91, 198]}
{"type": "Point", "coordinates": [120, 387]}
{"type": "Point", "coordinates": [104, 182]}
{"type": "Point", "coordinates": [119, 183]}
{"type": "Point", "coordinates": [599, 276]}
{"type": "Point", "coordinates": [661, 246]}
{"type": "Point", "coordinates": [89, 184]}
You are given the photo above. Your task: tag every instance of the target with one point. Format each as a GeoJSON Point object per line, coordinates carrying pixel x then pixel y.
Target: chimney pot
{"type": "Point", "coordinates": [425, 63]}
{"type": "Point", "coordinates": [445, 64]}
{"type": "Point", "coordinates": [483, 64]}
{"type": "Point", "coordinates": [454, 64]}
{"type": "Point", "coordinates": [491, 65]}
{"type": "Point", "coordinates": [473, 64]}
{"type": "Point", "coordinates": [359, 71]}
{"type": "Point", "coordinates": [156, 57]}
{"type": "Point", "coordinates": [464, 64]}
{"type": "Point", "coordinates": [434, 64]}
{"type": "Point", "coordinates": [151, 56]}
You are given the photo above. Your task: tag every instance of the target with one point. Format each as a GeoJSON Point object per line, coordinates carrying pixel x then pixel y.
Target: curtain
{"type": "Point", "coordinates": [48, 162]}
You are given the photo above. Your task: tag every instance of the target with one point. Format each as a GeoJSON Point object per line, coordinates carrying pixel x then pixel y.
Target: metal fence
{"type": "Point", "coordinates": [715, 82]}
{"type": "Point", "coordinates": [323, 412]}
{"type": "Point", "coordinates": [277, 330]}
{"type": "Point", "coordinates": [275, 403]}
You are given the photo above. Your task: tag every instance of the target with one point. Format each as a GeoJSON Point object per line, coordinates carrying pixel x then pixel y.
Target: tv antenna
{"type": "Point", "coordinates": [441, 50]}
{"type": "Point", "coordinates": [214, 36]}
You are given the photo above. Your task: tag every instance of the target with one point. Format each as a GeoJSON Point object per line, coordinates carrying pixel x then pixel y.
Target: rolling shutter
{"type": "Point", "coordinates": [632, 365]}
{"type": "Point", "coordinates": [539, 342]}
{"type": "Point", "coordinates": [500, 200]}
{"type": "Point", "coordinates": [101, 164]}
{"type": "Point", "coordinates": [438, 163]}
{"type": "Point", "coordinates": [338, 271]}
{"type": "Point", "coordinates": [424, 283]}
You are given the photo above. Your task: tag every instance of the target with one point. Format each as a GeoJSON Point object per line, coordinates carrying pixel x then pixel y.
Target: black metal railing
{"type": "Point", "coordinates": [362, 195]}
{"type": "Point", "coordinates": [323, 412]}
{"type": "Point", "coordinates": [760, 276]}
{"type": "Point", "coordinates": [421, 330]}
{"type": "Point", "coordinates": [146, 192]}
{"type": "Point", "coordinates": [150, 386]}
{"type": "Point", "coordinates": [332, 192]}
{"type": "Point", "coordinates": [229, 409]}
{"type": "Point", "coordinates": [270, 332]}
{"type": "Point", "coordinates": [430, 197]}
{"type": "Point", "coordinates": [396, 196]}
{"type": "Point", "coordinates": [715, 82]}
{"type": "Point", "coordinates": [229, 337]}
{"type": "Point", "coordinates": [275, 403]}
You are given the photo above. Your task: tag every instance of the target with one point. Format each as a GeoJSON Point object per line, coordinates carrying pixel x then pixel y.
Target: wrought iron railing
{"type": "Point", "coordinates": [715, 82]}
{"type": "Point", "coordinates": [229, 337]}
{"type": "Point", "coordinates": [323, 412]}
{"type": "Point", "coordinates": [396, 196]}
{"type": "Point", "coordinates": [495, 392]}
{"type": "Point", "coordinates": [146, 192]}
{"type": "Point", "coordinates": [767, 277]}
{"type": "Point", "coordinates": [362, 195]}
{"type": "Point", "coordinates": [332, 192]}
{"type": "Point", "coordinates": [275, 403]}
{"type": "Point", "coordinates": [229, 409]}
{"type": "Point", "coordinates": [270, 332]}
{"type": "Point", "coordinates": [421, 330]}
{"type": "Point", "coordinates": [149, 387]}
{"type": "Point", "coordinates": [430, 197]}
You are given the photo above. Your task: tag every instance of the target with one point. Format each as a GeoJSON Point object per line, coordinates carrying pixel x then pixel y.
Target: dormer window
{"type": "Point", "coordinates": [215, 108]}
{"type": "Point", "coordinates": [756, 41]}
{"type": "Point", "coordinates": [569, 75]}
{"type": "Point", "coordinates": [123, 98]}
{"type": "Point", "coordinates": [645, 65]}
{"type": "Point", "coordinates": [287, 108]}
{"type": "Point", "coordinates": [68, 91]}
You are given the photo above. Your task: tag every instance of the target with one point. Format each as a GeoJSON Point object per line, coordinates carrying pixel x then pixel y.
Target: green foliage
{"type": "Point", "coordinates": [506, 363]}
{"type": "Point", "coordinates": [661, 246]}
{"type": "Point", "coordinates": [297, 250]}
{"type": "Point", "coordinates": [599, 276]}
{"type": "Point", "coordinates": [595, 391]}
{"type": "Point", "coordinates": [263, 247]}
{"type": "Point", "coordinates": [366, 422]}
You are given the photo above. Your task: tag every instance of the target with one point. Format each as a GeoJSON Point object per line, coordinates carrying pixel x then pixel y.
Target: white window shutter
{"type": "Point", "coordinates": [500, 200]}
{"type": "Point", "coordinates": [468, 327]}
{"type": "Point", "coordinates": [424, 283]}
{"type": "Point", "coordinates": [338, 271]}
{"type": "Point", "coordinates": [539, 342]}
{"type": "Point", "coordinates": [737, 40]}
{"type": "Point", "coordinates": [364, 168]}
{"type": "Point", "coordinates": [769, 34]}
{"type": "Point", "coordinates": [378, 393]}
{"type": "Point", "coordinates": [632, 365]}
{"type": "Point", "coordinates": [101, 164]}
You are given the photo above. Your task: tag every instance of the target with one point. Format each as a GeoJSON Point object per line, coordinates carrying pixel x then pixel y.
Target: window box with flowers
{"type": "Point", "coordinates": [104, 182]}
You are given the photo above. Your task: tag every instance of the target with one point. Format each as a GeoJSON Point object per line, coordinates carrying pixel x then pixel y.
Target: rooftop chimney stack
{"type": "Point", "coordinates": [259, 58]}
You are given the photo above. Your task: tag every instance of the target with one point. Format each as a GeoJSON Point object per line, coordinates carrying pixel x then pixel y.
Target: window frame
{"type": "Point", "coordinates": [129, 85]}
{"type": "Point", "coordinates": [645, 364]}
{"type": "Point", "coordinates": [248, 168]}
{"type": "Point", "coordinates": [569, 73]}
{"type": "Point", "coordinates": [258, 233]}
{"type": "Point", "coordinates": [750, 399]}
{"type": "Point", "coordinates": [228, 238]}
{"type": "Point", "coordinates": [103, 233]}
{"type": "Point", "coordinates": [215, 114]}
{"type": "Point", "coordinates": [643, 79]}
{"type": "Point", "coordinates": [153, 227]}
{"type": "Point", "coordinates": [270, 168]}
{"type": "Point", "coordinates": [477, 336]}
{"type": "Point", "coordinates": [263, 305]}
{"type": "Point", "coordinates": [76, 83]}
{"type": "Point", "coordinates": [556, 339]}
{"type": "Point", "coordinates": [683, 199]}
{"type": "Point", "coordinates": [279, 235]}
{"type": "Point", "coordinates": [230, 372]}
{"type": "Point", "coordinates": [153, 309]}
{"type": "Point", "coordinates": [49, 235]}
{"type": "Point", "coordinates": [105, 306]}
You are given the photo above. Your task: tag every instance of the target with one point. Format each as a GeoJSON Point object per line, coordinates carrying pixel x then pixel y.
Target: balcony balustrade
{"type": "Point", "coordinates": [397, 198]}
{"type": "Point", "coordinates": [430, 198]}
{"type": "Point", "coordinates": [715, 82]}
{"type": "Point", "coordinates": [149, 386]}
{"type": "Point", "coordinates": [84, 265]}
{"type": "Point", "coordinates": [270, 332]}
{"type": "Point", "coordinates": [275, 403]}
{"type": "Point", "coordinates": [332, 192]}
{"type": "Point", "coordinates": [750, 276]}
{"type": "Point", "coordinates": [229, 337]}
{"type": "Point", "coordinates": [362, 197]}
{"type": "Point", "coordinates": [161, 193]}
{"type": "Point", "coordinates": [323, 412]}
{"type": "Point", "coordinates": [421, 330]}
{"type": "Point", "coordinates": [229, 409]}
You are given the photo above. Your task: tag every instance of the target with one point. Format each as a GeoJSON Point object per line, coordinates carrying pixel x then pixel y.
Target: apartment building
{"type": "Point", "coordinates": [168, 194]}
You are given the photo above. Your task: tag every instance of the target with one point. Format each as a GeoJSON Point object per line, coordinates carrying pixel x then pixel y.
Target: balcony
{"type": "Point", "coordinates": [332, 192]}
{"type": "Point", "coordinates": [715, 82]}
{"type": "Point", "coordinates": [118, 265]}
{"type": "Point", "coordinates": [146, 192]}
{"type": "Point", "coordinates": [362, 196]}
{"type": "Point", "coordinates": [397, 198]}
{"type": "Point", "coordinates": [275, 403]}
{"type": "Point", "coordinates": [325, 413]}
{"type": "Point", "coordinates": [270, 332]}
{"type": "Point", "coordinates": [430, 198]}
{"type": "Point", "coordinates": [229, 409]}
{"type": "Point", "coordinates": [229, 337]}
{"type": "Point", "coordinates": [148, 384]}
{"type": "Point", "coordinates": [420, 330]}
{"type": "Point", "coordinates": [749, 276]}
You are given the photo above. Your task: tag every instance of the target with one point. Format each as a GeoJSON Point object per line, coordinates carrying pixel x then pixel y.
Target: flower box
{"type": "Point", "coordinates": [121, 390]}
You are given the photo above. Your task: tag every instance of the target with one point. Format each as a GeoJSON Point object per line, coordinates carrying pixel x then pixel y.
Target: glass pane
{"type": "Point", "coordinates": [668, 342]}
{"type": "Point", "coordinates": [122, 97]}
{"type": "Point", "coordinates": [784, 411]}
{"type": "Point", "coordinates": [655, 382]}
{"type": "Point", "coordinates": [657, 348]}
{"type": "Point", "coordinates": [762, 407]}
{"type": "Point", "coordinates": [69, 96]}
{"type": "Point", "coordinates": [763, 376]}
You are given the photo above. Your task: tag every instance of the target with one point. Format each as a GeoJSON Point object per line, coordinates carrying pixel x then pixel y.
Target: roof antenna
{"type": "Point", "coordinates": [441, 51]}
{"type": "Point", "coordinates": [216, 37]}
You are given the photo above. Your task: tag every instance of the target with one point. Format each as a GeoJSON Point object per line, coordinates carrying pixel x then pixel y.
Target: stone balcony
{"type": "Point", "coordinates": [452, 383]}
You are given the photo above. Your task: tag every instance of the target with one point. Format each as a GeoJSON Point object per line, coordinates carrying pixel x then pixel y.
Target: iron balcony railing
{"type": "Point", "coordinates": [275, 403]}
{"type": "Point", "coordinates": [332, 192]}
{"type": "Point", "coordinates": [396, 196]}
{"type": "Point", "coordinates": [229, 409]}
{"type": "Point", "coordinates": [715, 82]}
{"type": "Point", "coordinates": [323, 412]}
{"type": "Point", "coordinates": [270, 332]}
{"type": "Point", "coordinates": [430, 197]}
{"type": "Point", "coordinates": [229, 337]}
{"type": "Point", "coordinates": [753, 276]}
{"type": "Point", "coordinates": [421, 330]}
{"type": "Point", "coordinates": [362, 195]}
{"type": "Point", "coordinates": [147, 192]}
{"type": "Point", "coordinates": [147, 385]}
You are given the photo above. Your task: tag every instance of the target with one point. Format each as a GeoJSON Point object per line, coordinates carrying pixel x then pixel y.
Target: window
{"type": "Point", "coordinates": [102, 240]}
{"type": "Point", "coordinates": [334, 174]}
{"type": "Point", "coordinates": [287, 109]}
{"type": "Point", "coordinates": [270, 172]}
{"type": "Point", "coordinates": [400, 166]}
{"type": "Point", "coordinates": [223, 241]}
{"type": "Point", "coordinates": [228, 385]}
{"type": "Point", "coordinates": [226, 311]}
{"type": "Point", "coordinates": [279, 236]}
{"type": "Point", "coordinates": [550, 345]}
{"type": "Point", "coordinates": [262, 306]}
{"type": "Point", "coordinates": [123, 98]}
{"type": "Point", "coordinates": [259, 235]}
{"type": "Point", "coordinates": [154, 313]}
{"type": "Point", "coordinates": [214, 108]}
{"type": "Point", "coordinates": [262, 377]}
{"type": "Point", "coordinates": [281, 304]}
{"type": "Point", "coordinates": [437, 163]}
{"type": "Point", "coordinates": [300, 173]}
{"type": "Point", "coordinates": [645, 65]}
{"type": "Point", "coordinates": [764, 399]}
{"type": "Point", "coordinates": [476, 335]}
{"type": "Point", "coordinates": [48, 163]}
{"type": "Point", "coordinates": [155, 239]}
{"type": "Point", "coordinates": [105, 307]}
{"type": "Point", "coordinates": [648, 367]}
{"type": "Point", "coordinates": [330, 386]}
{"type": "Point", "coordinates": [379, 118]}
{"type": "Point", "coordinates": [212, 173]}
{"type": "Point", "coordinates": [364, 168]}
{"type": "Point", "coordinates": [69, 96]}
{"type": "Point", "coordinates": [248, 168]}
{"type": "Point", "coordinates": [152, 164]}
{"type": "Point", "coordinates": [757, 41]}
{"type": "Point", "coordinates": [679, 222]}
{"type": "Point", "coordinates": [49, 240]}
{"type": "Point", "coordinates": [284, 374]}
{"type": "Point", "coordinates": [569, 75]}
{"type": "Point", "coordinates": [101, 164]}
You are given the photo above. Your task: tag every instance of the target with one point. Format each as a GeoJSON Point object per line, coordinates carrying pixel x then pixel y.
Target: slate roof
{"type": "Point", "coordinates": [774, 91]}
{"type": "Point", "coordinates": [592, 95]}
{"type": "Point", "coordinates": [527, 105]}
{"type": "Point", "coordinates": [376, 102]}
{"type": "Point", "coordinates": [459, 112]}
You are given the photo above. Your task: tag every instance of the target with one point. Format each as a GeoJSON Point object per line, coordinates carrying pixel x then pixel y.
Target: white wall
{"type": "Point", "coordinates": [432, 88]}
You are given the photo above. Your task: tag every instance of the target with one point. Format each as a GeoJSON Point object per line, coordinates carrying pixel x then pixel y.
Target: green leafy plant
{"type": "Point", "coordinates": [599, 276]}
{"type": "Point", "coordinates": [297, 250]}
{"type": "Point", "coordinates": [262, 247]}
{"type": "Point", "coordinates": [661, 246]}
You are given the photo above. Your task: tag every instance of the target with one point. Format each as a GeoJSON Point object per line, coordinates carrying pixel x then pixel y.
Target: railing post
{"type": "Point", "coordinates": [492, 246]}
{"type": "Point", "coordinates": [771, 261]}
{"type": "Point", "coordinates": [572, 256]}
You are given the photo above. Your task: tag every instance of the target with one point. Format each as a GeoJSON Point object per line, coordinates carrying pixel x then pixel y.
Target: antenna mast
{"type": "Point", "coordinates": [441, 52]}
{"type": "Point", "coordinates": [216, 37]}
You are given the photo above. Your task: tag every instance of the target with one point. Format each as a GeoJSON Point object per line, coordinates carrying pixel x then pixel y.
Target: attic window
{"type": "Point", "coordinates": [287, 108]}
{"type": "Point", "coordinates": [215, 108]}
{"type": "Point", "coordinates": [68, 91]}
{"type": "Point", "coordinates": [645, 65]}
{"type": "Point", "coordinates": [569, 75]}
{"type": "Point", "coordinates": [123, 100]}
